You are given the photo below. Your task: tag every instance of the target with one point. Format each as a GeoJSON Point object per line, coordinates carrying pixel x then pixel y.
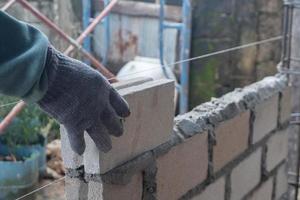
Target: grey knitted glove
{"type": "Point", "coordinates": [81, 99]}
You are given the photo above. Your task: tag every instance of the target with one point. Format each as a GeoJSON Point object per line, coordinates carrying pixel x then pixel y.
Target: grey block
{"type": "Point", "coordinates": [71, 159]}
{"type": "Point", "coordinates": [266, 115]}
{"type": "Point", "coordinates": [281, 182]}
{"type": "Point", "coordinates": [75, 189]}
{"type": "Point", "coordinates": [214, 191]}
{"type": "Point", "coordinates": [246, 175]}
{"type": "Point", "coordinates": [95, 191]}
{"type": "Point", "coordinates": [277, 149]}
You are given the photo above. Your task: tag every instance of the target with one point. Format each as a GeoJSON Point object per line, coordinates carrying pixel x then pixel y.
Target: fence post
{"type": "Point", "coordinates": [291, 60]}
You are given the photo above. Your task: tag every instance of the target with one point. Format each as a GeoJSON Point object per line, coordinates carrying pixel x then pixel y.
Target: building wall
{"type": "Point", "coordinates": [231, 148]}
{"type": "Point", "coordinates": [218, 25]}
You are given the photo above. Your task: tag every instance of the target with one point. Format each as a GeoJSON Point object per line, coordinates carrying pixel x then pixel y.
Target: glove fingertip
{"type": "Point", "coordinates": [105, 149]}
{"type": "Point", "coordinates": [119, 104]}
{"type": "Point", "coordinates": [101, 138]}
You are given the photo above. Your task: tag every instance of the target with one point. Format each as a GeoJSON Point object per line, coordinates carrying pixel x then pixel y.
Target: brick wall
{"type": "Point", "coordinates": [231, 148]}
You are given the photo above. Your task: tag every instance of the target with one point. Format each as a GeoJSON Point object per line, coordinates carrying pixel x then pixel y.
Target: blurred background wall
{"type": "Point", "coordinates": [217, 25]}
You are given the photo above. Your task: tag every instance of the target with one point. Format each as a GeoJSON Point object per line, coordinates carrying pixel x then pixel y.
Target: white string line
{"type": "Point", "coordinates": [9, 104]}
{"type": "Point", "coordinates": [36, 190]}
{"type": "Point", "coordinates": [273, 39]}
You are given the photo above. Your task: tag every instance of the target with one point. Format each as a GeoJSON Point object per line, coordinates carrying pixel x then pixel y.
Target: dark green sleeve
{"type": "Point", "coordinates": [23, 51]}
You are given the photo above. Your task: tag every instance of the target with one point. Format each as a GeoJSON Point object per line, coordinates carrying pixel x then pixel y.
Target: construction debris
{"type": "Point", "coordinates": [55, 168]}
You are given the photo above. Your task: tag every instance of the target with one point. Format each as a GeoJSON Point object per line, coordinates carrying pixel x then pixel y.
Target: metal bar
{"type": "Point", "coordinates": [161, 31]}
{"type": "Point", "coordinates": [298, 164]}
{"type": "Point", "coordinates": [295, 114]}
{"type": "Point", "coordinates": [161, 38]}
{"type": "Point", "coordinates": [53, 26]}
{"type": "Point", "coordinates": [173, 25]}
{"type": "Point", "coordinates": [184, 54]}
{"type": "Point", "coordinates": [292, 2]}
{"type": "Point", "coordinates": [289, 36]}
{"type": "Point", "coordinates": [185, 32]}
{"type": "Point", "coordinates": [11, 115]}
{"type": "Point", "coordinates": [92, 26]}
{"type": "Point", "coordinates": [106, 23]}
{"type": "Point", "coordinates": [8, 4]}
{"type": "Point", "coordinates": [287, 68]}
{"type": "Point", "coordinates": [49, 23]}
{"type": "Point", "coordinates": [285, 34]}
{"type": "Point", "coordinates": [86, 18]}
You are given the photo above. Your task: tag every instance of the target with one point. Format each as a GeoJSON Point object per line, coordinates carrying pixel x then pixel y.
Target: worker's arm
{"type": "Point", "coordinates": [22, 59]}
{"type": "Point", "coordinates": [76, 95]}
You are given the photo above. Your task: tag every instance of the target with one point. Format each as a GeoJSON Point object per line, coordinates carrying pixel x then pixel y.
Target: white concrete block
{"type": "Point", "coordinates": [281, 182]}
{"type": "Point", "coordinates": [266, 114]}
{"type": "Point", "coordinates": [277, 149]}
{"type": "Point", "coordinates": [264, 192]}
{"type": "Point", "coordinates": [246, 175]}
{"type": "Point", "coordinates": [214, 191]}
{"type": "Point", "coordinates": [71, 159]}
{"type": "Point", "coordinates": [150, 124]}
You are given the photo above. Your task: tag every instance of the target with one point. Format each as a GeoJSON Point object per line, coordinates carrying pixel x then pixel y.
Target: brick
{"type": "Point", "coordinates": [285, 105]}
{"type": "Point", "coordinates": [277, 149]}
{"type": "Point", "coordinates": [75, 189]}
{"type": "Point", "coordinates": [149, 125]}
{"type": "Point", "coordinates": [281, 182]}
{"type": "Point", "coordinates": [246, 175]}
{"type": "Point", "coordinates": [132, 190]}
{"type": "Point", "coordinates": [265, 118]}
{"type": "Point", "coordinates": [71, 159]}
{"type": "Point", "coordinates": [214, 191]}
{"type": "Point", "coordinates": [182, 168]}
{"type": "Point", "coordinates": [228, 148]}
{"type": "Point", "coordinates": [264, 192]}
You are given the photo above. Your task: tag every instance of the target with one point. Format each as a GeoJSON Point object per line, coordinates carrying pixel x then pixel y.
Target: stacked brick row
{"type": "Point", "coordinates": [231, 148]}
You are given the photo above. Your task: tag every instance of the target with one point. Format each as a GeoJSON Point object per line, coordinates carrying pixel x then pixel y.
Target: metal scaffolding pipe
{"type": "Point", "coordinates": [93, 25]}
{"type": "Point", "coordinates": [53, 26]}
{"type": "Point", "coordinates": [8, 4]}
{"type": "Point", "coordinates": [11, 115]}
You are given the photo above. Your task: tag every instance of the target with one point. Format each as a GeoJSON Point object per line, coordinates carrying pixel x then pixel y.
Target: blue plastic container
{"type": "Point", "coordinates": [39, 148]}
{"type": "Point", "coordinates": [18, 178]}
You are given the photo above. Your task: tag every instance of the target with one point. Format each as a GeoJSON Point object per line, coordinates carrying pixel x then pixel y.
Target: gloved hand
{"type": "Point", "coordinates": [81, 99]}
